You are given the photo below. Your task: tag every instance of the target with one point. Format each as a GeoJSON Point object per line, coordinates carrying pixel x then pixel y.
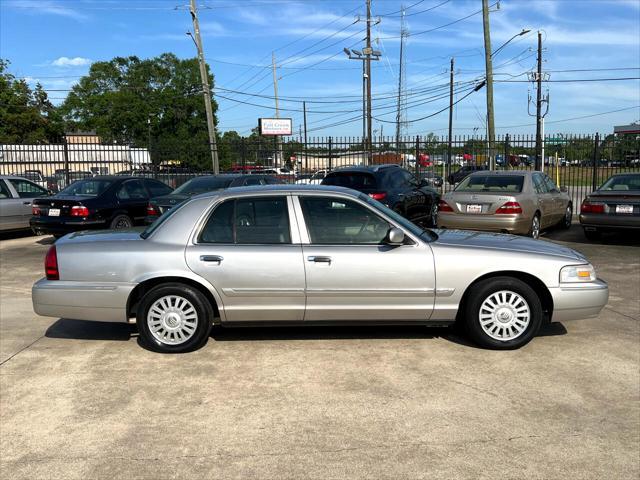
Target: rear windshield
{"type": "Point", "coordinates": [622, 183]}
{"type": "Point", "coordinates": [202, 185]}
{"type": "Point", "coordinates": [90, 188]}
{"type": "Point", "coordinates": [491, 183]}
{"type": "Point", "coordinates": [354, 180]}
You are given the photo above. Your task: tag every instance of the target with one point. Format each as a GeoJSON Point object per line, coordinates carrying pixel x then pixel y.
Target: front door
{"type": "Point", "coordinates": [352, 275]}
{"type": "Point", "coordinates": [248, 251]}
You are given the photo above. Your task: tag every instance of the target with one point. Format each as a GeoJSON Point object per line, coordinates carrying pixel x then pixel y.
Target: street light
{"type": "Point", "coordinates": [523, 32]}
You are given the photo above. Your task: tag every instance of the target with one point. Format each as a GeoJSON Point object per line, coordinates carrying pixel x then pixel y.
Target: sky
{"type": "Point", "coordinates": [54, 42]}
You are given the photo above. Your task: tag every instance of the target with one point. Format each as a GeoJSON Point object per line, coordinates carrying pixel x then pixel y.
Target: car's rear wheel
{"type": "Point", "coordinates": [174, 318]}
{"type": "Point", "coordinates": [502, 313]}
{"type": "Point", "coordinates": [534, 229]}
{"type": "Point", "coordinates": [120, 222]}
{"type": "Point", "coordinates": [567, 218]}
{"type": "Point", "coordinates": [593, 234]}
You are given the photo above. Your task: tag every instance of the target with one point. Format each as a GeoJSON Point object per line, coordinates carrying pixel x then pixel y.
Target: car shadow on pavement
{"type": "Point", "coordinates": [88, 330]}
{"type": "Point", "coordinates": [576, 235]}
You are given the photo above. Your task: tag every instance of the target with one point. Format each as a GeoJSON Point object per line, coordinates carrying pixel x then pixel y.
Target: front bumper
{"type": "Point", "coordinates": [516, 224]}
{"type": "Point", "coordinates": [579, 301]}
{"type": "Point", "coordinates": [103, 302]}
{"type": "Point", "coordinates": [612, 222]}
{"type": "Point", "coordinates": [63, 225]}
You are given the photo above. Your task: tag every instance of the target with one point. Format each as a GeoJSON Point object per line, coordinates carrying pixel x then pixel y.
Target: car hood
{"type": "Point", "coordinates": [90, 236]}
{"type": "Point", "coordinates": [501, 241]}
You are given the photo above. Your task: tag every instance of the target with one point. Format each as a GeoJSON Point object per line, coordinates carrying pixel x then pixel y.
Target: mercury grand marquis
{"type": "Point", "coordinates": [311, 255]}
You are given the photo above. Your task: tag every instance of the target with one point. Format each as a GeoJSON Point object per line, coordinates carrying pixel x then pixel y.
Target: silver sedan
{"type": "Point", "coordinates": [311, 255]}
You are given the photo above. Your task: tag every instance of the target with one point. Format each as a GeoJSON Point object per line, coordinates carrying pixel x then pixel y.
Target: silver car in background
{"type": "Point", "coordinates": [517, 202]}
{"type": "Point", "coordinates": [311, 255]}
{"type": "Point", "coordinates": [16, 195]}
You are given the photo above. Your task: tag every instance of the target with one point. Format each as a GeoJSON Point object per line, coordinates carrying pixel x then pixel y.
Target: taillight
{"type": "Point", "coordinates": [51, 264]}
{"type": "Point", "coordinates": [151, 210]}
{"type": "Point", "coordinates": [35, 210]}
{"type": "Point", "coordinates": [510, 207]}
{"type": "Point", "coordinates": [588, 207]}
{"type": "Point", "coordinates": [79, 211]}
{"type": "Point", "coordinates": [378, 196]}
{"type": "Point", "coordinates": [444, 207]}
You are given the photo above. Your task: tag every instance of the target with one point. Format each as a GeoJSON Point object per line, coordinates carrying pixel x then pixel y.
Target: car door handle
{"type": "Point", "coordinates": [319, 259]}
{"type": "Point", "coordinates": [26, 203]}
{"type": "Point", "coordinates": [211, 258]}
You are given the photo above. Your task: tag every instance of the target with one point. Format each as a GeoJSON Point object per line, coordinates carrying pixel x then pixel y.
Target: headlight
{"type": "Point", "coordinates": [578, 274]}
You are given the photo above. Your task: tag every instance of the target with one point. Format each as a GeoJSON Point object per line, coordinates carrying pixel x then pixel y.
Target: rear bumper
{"type": "Point", "coordinates": [60, 225]}
{"type": "Point", "coordinates": [580, 301]}
{"type": "Point", "coordinates": [490, 223]}
{"type": "Point", "coordinates": [612, 222]}
{"type": "Point", "coordinates": [103, 302]}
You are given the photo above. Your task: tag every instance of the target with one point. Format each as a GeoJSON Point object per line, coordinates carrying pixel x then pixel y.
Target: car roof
{"type": "Point", "coordinates": [7, 177]}
{"type": "Point", "coordinates": [284, 189]}
{"type": "Point", "coordinates": [366, 168]}
{"type": "Point", "coordinates": [502, 172]}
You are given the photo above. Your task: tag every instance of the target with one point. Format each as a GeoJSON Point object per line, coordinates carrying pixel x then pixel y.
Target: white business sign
{"type": "Point", "coordinates": [275, 126]}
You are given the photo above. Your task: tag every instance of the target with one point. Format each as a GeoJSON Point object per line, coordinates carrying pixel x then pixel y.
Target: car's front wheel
{"type": "Point", "coordinates": [174, 318]}
{"type": "Point", "coordinates": [502, 313]}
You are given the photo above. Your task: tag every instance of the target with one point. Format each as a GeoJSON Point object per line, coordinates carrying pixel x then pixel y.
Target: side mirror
{"type": "Point", "coordinates": [564, 189]}
{"type": "Point", "coordinates": [395, 236]}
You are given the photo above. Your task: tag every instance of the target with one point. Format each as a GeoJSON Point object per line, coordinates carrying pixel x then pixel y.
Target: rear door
{"type": "Point", "coordinates": [10, 208]}
{"type": "Point", "coordinates": [27, 191]}
{"type": "Point", "coordinates": [560, 200]}
{"type": "Point", "coordinates": [546, 202]}
{"type": "Point", "coordinates": [249, 250]}
{"type": "Point", "coordinates": [132, 196]}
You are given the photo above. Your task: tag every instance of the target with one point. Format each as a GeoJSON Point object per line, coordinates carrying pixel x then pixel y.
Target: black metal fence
{"type": "Point", "coordinates": [579, 162]}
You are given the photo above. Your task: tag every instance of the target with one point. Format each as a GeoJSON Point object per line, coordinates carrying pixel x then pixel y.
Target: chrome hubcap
{"type": "Point", "coordinates": [535, 227]}
{"type": "Point", "coordinates": [172, 320]}
{"type": "Point", "coordinates": [567, 216]}
{"type": "Point", "coordinates": [504, 315]}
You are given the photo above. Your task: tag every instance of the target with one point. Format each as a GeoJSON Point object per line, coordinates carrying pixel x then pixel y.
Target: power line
{"type": "Point", "coordinates": [573, 80]}
{"type": "Point", "coordinates": [416, 13]}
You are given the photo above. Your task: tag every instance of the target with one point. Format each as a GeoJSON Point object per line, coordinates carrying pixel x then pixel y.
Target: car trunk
{"type": "Point", "coordinates": [58, 206]}
{"type": "Point", "coordinates": [621, 202]}
{"type": "Point", "coordinates": [478, 203]}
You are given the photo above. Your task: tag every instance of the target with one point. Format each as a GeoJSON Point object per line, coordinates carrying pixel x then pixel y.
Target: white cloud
{"type": "Point", "coordinates": [71, 62]}
{"type": "Point", "coordinates": [39, 7]}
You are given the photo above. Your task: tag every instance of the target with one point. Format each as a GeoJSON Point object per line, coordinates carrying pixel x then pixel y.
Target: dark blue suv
{"type": "Point", "coordinates": [394, 186]}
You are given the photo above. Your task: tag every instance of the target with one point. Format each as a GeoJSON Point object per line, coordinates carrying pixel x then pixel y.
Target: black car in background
{"type": "Point", "coordinates": [96, 203]}
{"type": "Point", "coordinates": [392, 185]}
{"type": "Point", "coordinates": [462, 173]}
{"type": "Point", "coordinates": [615, 206]}
{"type": "Point", "coordinates": [207, 183]}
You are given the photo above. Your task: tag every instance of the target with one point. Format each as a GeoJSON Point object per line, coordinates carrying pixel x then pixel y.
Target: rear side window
{"type": "Point", "coordinates": [91, 188]}
{"type": "Point", "coordinates": [538, 183]}
{"type": "Point", "coordinates": [4, 190]}
{"type": "Point", "coordinates": [132, 190]}
{"type": "Point", "coordinates": [255, 220]}
{"type": "Point", "coordinates": [354, 180]}
{"type": "Point", "coordinates": [157, 189]}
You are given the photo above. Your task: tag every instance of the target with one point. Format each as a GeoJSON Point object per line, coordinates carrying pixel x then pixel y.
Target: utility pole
{"type": "Point", "coordinates": [368, 52]}
{"type": "Point", "coordinates": [539, 159]}
{"type": "Point", "coordinates": [489, 80]}
{"type": "Point", "coordinates": [449, 149]}
{"type": "Point", "coordinates": [399, 113]}
{"type": "Point", "coordinates": [205, 89]}
{"type": "Point", "coordinates": [277, 161]}
{"type": "Point", "coordinates": [306, 158]}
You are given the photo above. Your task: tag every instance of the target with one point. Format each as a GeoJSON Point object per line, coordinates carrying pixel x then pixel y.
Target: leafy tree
{"type": "Point", "coordinates": [26, 115]}
{"type": "Point", "coordinates": [155, 102]}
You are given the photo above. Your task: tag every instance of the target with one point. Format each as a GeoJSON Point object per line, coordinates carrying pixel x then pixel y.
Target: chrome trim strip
{"type": "Point", "coordinates": [444, 292]}
{"type": "Point", "coordinates": [263, 292]}
{"type": "Point", "coordinates": [417, 292]}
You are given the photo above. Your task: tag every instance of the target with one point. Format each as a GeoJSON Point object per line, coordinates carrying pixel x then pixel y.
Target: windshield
{"type": "Point", "coordinates": [90, 188]}
{"type": "Point", "coordinates": [196, 186]}
{"type": "Point", "coordinates": [622, 183]}
{"type": "Point", "coordinates": [399, 219]}
{"type": "Point", "coordinates": [491, 183]}
{"type": "Point", "coordinates": [354, 180]}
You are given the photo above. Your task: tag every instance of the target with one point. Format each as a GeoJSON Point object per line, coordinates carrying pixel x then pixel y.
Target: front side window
{"type": "Point", "coordinates": [335, 221]}
{"type": "Point", "coordinates": [27, 189]}
{"type": "Point", "coordinates": [261, 220]}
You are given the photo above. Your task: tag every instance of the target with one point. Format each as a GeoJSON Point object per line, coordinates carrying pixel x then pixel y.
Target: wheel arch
{"type": "Point", "coordinates": [534, 282]}
{"type": "Point", "coordinates": [147, 284]}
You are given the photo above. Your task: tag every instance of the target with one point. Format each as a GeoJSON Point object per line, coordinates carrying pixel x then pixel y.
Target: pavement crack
{"type": "Point", "coordinates": [22, 349]}
{"type": "Point", "coordinates": [607, 307]}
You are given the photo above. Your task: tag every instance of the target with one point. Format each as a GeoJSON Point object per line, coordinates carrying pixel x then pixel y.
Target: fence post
{"type": "Point", "coordinates": [330, 160]}
{"type": "Point", "coordinates": [594, 180]}
{"type": "Point", "coordinates": [418, 156]}
{"type": "Point", "coordinates": [66, 162]}
{"type": "Point", "coordinates": [505, 160]}
{"type": "Point", "coordinates": [243, 151]}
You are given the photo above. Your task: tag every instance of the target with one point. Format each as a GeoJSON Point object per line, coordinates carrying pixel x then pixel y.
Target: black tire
{"type": "Point", "coordinates": [204, 316]}
{"type": "Point", "coordinates": [483, 291]}
{"type": "Point", "coordinates": [593, 234]}
{"type": "Point", "coordinates": [565, 223]}
{"type": "Point", "coordinates": [433, 216]}
{"type": "Point", "coordinates": [120, 222]}
{"type": "Point", "coordinates": [533, 231]}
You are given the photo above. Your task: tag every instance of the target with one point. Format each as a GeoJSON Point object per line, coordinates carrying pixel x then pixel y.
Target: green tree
{"type": "Point", "coordinates": [26, 115]}
{"type": "Point", "coordinates": [155, 102]}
